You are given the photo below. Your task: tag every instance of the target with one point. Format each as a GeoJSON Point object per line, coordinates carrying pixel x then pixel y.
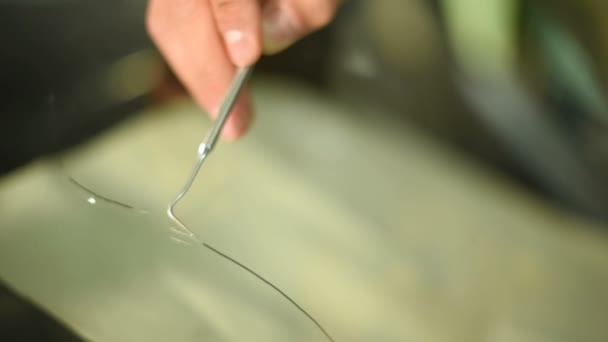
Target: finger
{"type": "Point", "coordinates": [185, 32]}
{"type": "Point", "coordinates": [239, 124]}
{"type": "Point", "coordinates": [286, 21]}
{"type": "Point", "coordinates": [239, 22]}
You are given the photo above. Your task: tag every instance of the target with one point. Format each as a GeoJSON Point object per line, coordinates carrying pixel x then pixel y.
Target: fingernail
{"type": "Point", "coordinates": [240, 48]}
{"type": "Point", "coordinates": [279, 29]}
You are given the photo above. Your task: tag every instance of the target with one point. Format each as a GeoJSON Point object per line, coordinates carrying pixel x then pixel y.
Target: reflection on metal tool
{"type": "Point", "coordinates": [204, 149]}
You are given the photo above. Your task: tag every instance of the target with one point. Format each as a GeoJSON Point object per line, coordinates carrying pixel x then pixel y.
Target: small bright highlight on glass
{"type": "Point", "coordinates": [92, 200]}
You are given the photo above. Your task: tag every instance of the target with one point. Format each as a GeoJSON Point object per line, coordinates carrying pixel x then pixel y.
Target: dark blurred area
{"type": "Point", "coordinates": [54, 58]}
{"type": "Point", "coordinates": [22, 321]}
{"type": "Point", "coordinates": [509, 82]}
{"type": "Point", "coordinates": [519, 86]}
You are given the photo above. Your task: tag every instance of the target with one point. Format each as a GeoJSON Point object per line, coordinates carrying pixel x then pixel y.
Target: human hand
{"type": "Point", "coordinates": [205, 40]}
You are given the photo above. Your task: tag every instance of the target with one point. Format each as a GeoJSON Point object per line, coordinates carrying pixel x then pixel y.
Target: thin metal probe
{"type": "Point", "coordinates": [204, 149]}
{"type": "Point", "coordinates": [207, 145]}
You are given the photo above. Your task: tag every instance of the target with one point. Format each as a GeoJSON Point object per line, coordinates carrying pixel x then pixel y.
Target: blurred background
{"type": "Point", "coordinates": [451, 157]}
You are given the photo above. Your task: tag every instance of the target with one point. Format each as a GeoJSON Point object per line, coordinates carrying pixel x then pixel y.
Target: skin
{"type": "Point", "coordinates": [205, 40]}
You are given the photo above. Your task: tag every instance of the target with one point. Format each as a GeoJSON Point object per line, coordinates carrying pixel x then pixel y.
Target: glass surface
{"type": "Point", "coordinates": [423, 246]}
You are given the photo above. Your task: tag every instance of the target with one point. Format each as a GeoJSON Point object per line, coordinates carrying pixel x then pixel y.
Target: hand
{"type": "Point", "coordinates": [205, 40]}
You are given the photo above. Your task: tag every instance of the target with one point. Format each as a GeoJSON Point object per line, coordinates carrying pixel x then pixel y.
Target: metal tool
{"type": "Point", "coordinates": [207, 145]}
{"type": "Point", "coordinates": [204, 149]}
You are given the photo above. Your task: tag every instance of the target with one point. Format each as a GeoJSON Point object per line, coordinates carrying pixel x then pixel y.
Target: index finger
{"type": "Point", "coordinates": [185, 32]}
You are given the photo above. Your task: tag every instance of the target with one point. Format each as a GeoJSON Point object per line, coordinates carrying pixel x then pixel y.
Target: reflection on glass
{"type": "Point", "coordinates": [179, 236]}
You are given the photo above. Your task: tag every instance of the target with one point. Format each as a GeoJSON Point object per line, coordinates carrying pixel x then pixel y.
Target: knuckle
{"type": "Point", "coordinates": [321, 12]}
{"type": "Point", "coordinates": [152, 19]}
{"type": "Point", "coordinates": [228, 6]}
{"type": "Point", "coordinates": [164, 16]}
{"type": "Point", "coordinates": [185, 9]}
